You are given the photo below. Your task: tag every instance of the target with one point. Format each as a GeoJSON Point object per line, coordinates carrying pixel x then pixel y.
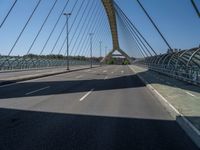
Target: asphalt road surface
{"type": "Point", "coordinates": [17, 73]}
{"type": "Point", "coordinates": [105, 108]}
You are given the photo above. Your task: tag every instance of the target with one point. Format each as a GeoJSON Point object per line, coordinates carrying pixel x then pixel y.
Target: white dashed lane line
{"type": "Point", "coordinates": [86, 95]}
{"type": "Point", "coordinates": [104, 71]}
{"type": "Point", "coordinates": [41, 89]}
{"type": "Point", "coordinates": [77, 77]}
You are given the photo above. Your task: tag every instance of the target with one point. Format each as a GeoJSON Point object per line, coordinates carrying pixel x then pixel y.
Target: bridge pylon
{"type": "Point", "coordinates": [109, 55]}
{"type": "Point", "coordinates": [110, 11]}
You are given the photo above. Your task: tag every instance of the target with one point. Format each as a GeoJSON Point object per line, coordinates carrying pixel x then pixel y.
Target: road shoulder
{"type": "Point", "coordinates": [176, 98]}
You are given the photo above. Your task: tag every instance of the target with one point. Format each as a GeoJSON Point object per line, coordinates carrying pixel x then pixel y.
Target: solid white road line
{"type": "Point", "coordinates": [87, 94]}
{"type": "Point", "coordinates": [169, 104]}
{"type": "Point", "coordinates": [187, 123]}
{"type": "Point", "coordinates": [190, 94]}
{"type": "Point", "coordinates": [29, 93]}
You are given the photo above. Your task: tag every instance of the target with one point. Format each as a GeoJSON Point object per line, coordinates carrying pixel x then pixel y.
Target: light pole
{"type": "Point", "coordinates": [67, 34]}
{"type": "Point", "coordinates": [105, 51]}
{"type": "Point", "coordinates": [91, 36]}
{"type": "Point", "coordinates": [100, 43]}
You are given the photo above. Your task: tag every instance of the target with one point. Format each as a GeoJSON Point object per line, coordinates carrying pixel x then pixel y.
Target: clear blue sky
{"type": "Point", "coordinates": [23, 9]}
{"type": "Point", "coordinates": [176, 19]}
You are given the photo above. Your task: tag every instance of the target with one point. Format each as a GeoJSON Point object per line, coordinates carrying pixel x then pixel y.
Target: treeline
{"type": "Point", "coordinates": [52, 56]}
{"type": "Point", "coordinates": [118, 61]}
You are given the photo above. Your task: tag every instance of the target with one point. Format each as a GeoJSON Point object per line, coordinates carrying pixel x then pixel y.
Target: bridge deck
{"type": "Point", "coordinates": [103, 108]}
{"type": "Point", "coordinates": [183, 96]}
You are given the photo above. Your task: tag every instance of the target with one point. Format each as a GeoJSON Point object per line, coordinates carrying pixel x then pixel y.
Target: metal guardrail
{"type": "Point", "coordinates": [183, 65]}
{"type": "Point", "coordinates": [192, 77]}
{"type": "Point", "coordinates": [14, 63]}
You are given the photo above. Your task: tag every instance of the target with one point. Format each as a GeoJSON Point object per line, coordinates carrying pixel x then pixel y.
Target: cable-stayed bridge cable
{"type": "Point", "coordinates": [11, 8]}
{"type": "Point", "coordinates": [39, 31]}
{"type": "Point", "coordinates": [54, 27]}
{"type": "Point", "coordinates": [134, 27]}
{"type": "Point", "coordinates": [22, 31]}
{"type": "Point", "coordinates": [156, 27]}
{"type": "Point", "coordinates": [78, 12]}
{"type": "Point", "coordinates": [88, 26]}
{"type": "Point", "coordinates": [139, 42]}
{"type": "Point", "coordinates": [89, 31]}
{"type": "Point", "coordinates": [62, 30]}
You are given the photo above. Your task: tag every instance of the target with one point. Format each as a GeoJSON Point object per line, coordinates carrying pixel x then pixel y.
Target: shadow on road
{"type": "Point", "coordinates": [31, 130]}
{"type": "Point", "coordinates": [70, 86]}
{"type": "Point", "coordinates": [74, 86]}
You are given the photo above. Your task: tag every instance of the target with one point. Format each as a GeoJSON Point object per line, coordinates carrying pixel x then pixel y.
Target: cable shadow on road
{"type": "Point", "coordinates": [69, 86]}
{"type": "Point", "coordinates": [33, 130]}
{"type": "Point", "coordinates": [76, 86]}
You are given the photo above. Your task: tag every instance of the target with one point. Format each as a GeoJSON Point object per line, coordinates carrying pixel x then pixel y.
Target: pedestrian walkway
{"type": "Point", "coordinates": [184, 97]}
{"type": "Point", "coordinates": [15, 76]}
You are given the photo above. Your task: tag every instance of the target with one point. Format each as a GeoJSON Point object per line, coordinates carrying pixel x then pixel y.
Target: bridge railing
{"type": "Point", "coordinates": [183, 65]}
{"type": "Point", "coordinates": [20, 63]}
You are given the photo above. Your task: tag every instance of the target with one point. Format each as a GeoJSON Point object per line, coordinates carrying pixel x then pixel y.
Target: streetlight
{"type": "Point", "coordinates": [106, 50]}
{"type": "Point", "coordinates": [91, 36]}
{"type": "Point", "coordinates": [67, 34]}
{"type": "Point", "coordinates": [100, 42]}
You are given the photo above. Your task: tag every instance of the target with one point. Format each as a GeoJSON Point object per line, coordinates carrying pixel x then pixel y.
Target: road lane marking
{"type": "Point", "coordinates": [122, 71]}
{"type": "Point", "coordinates": [44, 88]}
{"type": "Point", "coordinates": [77, 77]}
{"type": "Point", "coordinates": [87, 94]}
{"type": "Point", "coordinates": [168, 103]}
{"type": "Point", "coordinates": [8, 85]}
{"type": "Point", "coordinates": [190, 94]}
{"type": "Point", "coordinates": [105, 71]}
{"type": "Point", "coordinates": [112, 72]}
{"type": "Point", "coordinates": [38, 78]}
{"type": "Point", "coordinates": [88, 70]}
